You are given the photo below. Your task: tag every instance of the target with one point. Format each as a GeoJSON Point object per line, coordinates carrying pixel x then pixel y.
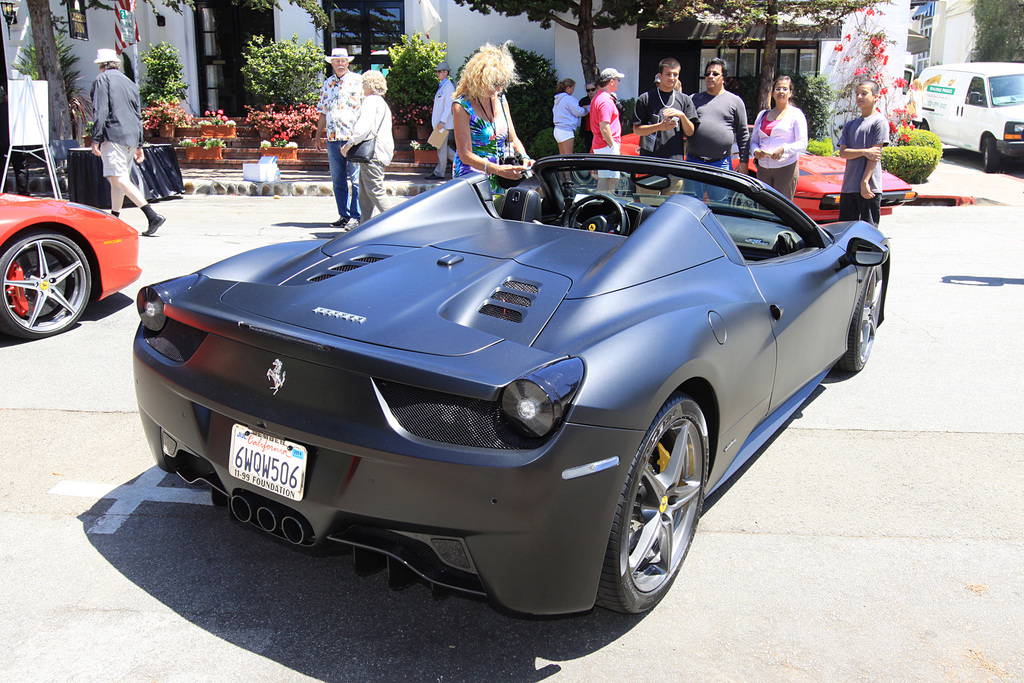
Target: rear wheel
{"type": "Point", "coordinates": [861, 337]}
{"type": "Point", "coordinates": [990, 155]}
{"type": "Point", "coordinates": [46, 285]}
{"type": "Point", "coordinates": [658, 510]}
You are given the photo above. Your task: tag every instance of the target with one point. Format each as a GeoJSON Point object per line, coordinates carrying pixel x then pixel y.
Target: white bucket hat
{"type": "Point", "coordinates": [338, 53]}
{"type": "Point", "coordinates": [106, 55]}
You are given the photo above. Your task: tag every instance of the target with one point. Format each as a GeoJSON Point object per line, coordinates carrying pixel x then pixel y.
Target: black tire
{"type": "Point", "coordinates": [861, 336]}
{"type": "Point", "coordinates": [43, 296]}
{"type": "Point", "coordinates": [923, 125]}
{"type": "Point", "coordinates": [660, 505]}
{"type": "Point", "coordinates": [990, 155]}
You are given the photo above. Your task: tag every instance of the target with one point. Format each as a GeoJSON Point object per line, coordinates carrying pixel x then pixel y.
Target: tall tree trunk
{"type": "Point", "coordinates": [585, 32]}
{"type": "Point", "coordinates": [49, 68]}
{"type": "Point", "coordinates": [771, 39]}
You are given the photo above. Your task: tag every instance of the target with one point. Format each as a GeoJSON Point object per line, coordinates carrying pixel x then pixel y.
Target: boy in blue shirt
{"type": "Point", "coordinates": [861, 145]}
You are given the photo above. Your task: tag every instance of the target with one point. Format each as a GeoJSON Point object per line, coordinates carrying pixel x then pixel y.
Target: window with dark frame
{"type": "Point", "coordinates": [366, 28]}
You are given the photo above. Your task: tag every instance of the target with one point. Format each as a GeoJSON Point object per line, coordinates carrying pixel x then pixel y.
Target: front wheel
{"type": "Point", "coordinates": [658, 510]}
{"type": "Point", "coordinates": [861, 336]}
{"type": "Point", "coordinates": [46, 285]}
{"type": "Point", "coordinates": [990, 155]}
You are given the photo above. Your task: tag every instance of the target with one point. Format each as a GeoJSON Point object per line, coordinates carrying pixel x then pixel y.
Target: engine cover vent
{"type": "Point", "coordinates": [509, 314]}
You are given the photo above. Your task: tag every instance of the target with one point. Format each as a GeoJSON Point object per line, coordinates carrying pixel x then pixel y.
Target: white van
{"type": "Point", "coordinates": [978, 106]}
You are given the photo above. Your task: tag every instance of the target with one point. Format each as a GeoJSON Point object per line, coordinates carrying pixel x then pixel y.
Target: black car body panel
{"type": "Point", "coordinates": [385, 353]}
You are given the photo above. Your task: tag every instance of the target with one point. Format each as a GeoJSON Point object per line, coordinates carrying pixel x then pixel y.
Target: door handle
{"type": "Point", "coordinates": [776, 311]}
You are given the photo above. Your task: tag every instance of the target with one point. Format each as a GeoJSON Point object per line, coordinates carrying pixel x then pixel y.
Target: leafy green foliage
{"type": "Point", "coordinates": [911, 163]}
{"type": "Point", "coordinates": [924, 138]}
{"type": "Point", "coordinates": [998, 31]}
{"type": "Point", "coordinates": [821, 148]}
{"type": "Point", "coordinates": [163, 81]}
{"type": "Point", "coordinates": [283, 72]}
{"type": "Point", "coordinates": [411, 79]}
{"type": "Point", "coordinates": [544, 144]}
{"type": "Point", "coordinates": [530, 100]}
{"type": "Point", "coordinates": [816, 98]}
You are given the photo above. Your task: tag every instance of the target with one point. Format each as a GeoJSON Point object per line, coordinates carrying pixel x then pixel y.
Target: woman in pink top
{"type": "Point", "coordinates": [778, 140]}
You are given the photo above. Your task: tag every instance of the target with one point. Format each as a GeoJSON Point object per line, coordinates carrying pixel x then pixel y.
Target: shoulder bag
{"type": "Point", "coordinates": [363, 153]}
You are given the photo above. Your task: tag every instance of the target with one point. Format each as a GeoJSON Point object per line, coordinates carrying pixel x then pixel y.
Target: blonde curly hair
{"type": "Point", "coordinates": [491, 65]}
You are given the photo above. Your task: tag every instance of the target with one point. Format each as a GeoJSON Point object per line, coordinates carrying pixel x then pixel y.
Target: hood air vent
{"type": "Point", "coordinates": [506, 305]}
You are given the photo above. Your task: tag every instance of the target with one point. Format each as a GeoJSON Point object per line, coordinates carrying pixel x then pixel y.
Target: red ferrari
{"type": "Point", "coordinates": [55, 258]}
{"type": "Point", "coordinates": [821, 179]}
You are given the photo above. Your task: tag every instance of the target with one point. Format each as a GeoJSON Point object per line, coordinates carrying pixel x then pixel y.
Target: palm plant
{"type": "Point", "coordinates": [79, 103]}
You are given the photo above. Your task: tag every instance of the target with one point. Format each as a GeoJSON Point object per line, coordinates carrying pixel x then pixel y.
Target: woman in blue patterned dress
{"type": "Point", "coordinates": [484, 132]}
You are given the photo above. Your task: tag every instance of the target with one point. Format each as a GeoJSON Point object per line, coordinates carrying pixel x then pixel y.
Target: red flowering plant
{"type": "Point", "coordinates": [163, 113]}
{"type": "Point", "coordinates": [410, 115]}
{"type": "Point", "coordinates": [214, 118]}
{"type": "Point", "coordinates": [862, 55]}
{"type": "Point", "coordinates": [290, 121]}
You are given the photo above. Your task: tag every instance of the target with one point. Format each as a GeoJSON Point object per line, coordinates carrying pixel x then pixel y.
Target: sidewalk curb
{"type": "Point", "coordinates": [291, 188]}
{"type": "Point", "coordinates": [943, 200]}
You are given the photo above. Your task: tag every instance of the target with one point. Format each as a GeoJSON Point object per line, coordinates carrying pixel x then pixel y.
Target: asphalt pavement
{"type": "Point", "coordinates": [878, 537]}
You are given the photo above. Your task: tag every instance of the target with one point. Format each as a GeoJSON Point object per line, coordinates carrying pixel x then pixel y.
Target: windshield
{"type": "Point", "coordinates": [653, 190]}
{"type": "Point", "coordinates": [1007, 90]}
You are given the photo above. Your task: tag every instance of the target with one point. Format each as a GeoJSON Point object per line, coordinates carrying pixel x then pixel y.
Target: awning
{"type": "Point", "coordinates": [917, 42]}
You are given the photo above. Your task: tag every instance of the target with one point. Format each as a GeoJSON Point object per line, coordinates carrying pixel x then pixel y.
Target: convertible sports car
{"type": "Point", "coordinates": [56, 257]}
{"type": "Point", "coordinates": [820, 183]}
{"type": "Point", "coordinates": [528, 403]}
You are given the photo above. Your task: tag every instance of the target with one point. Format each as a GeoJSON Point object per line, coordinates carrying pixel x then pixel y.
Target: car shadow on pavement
{"type": "Point", "coordinates": [314, 614]}
{"type": "Point", "coordinates": [97, 310]}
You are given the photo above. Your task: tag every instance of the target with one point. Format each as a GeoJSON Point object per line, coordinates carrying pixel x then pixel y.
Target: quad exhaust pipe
{"type": "Point", "coordinates": [272, 518]}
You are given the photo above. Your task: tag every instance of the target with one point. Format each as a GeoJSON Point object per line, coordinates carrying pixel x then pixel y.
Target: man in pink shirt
{"type": "Point", "coordinates": [605, 124]}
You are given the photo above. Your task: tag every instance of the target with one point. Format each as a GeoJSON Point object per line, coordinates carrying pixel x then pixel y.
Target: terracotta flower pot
{"type": "Point", "coordinates": [424, 156]}
{"type": "Point", "coordinates": [423, 132]}
{"type": "Point", "coordinates": [265, 133]}
{"type": "Point", "coordinates": [218, 131]}
{"type": "Point", "coordinates": [203, 154]}
{"type": "Point", "coordinates": [167, 130]}
{"type": "Point", "coordinates": [282, 153]}
{"type": "Point", "coordinates": [400, 132]}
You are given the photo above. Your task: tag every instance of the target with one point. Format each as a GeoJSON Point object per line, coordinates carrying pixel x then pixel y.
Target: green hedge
{"type": "Point", "coordinates": [821, 148]}
{"type": "Point", "coordinates": [925, 138]}
{"type": "Point", "coordinates": [911, 163]}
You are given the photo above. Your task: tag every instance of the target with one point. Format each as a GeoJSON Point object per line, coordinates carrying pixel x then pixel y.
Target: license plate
{"type": "Point", "coordinates": [268, 462]}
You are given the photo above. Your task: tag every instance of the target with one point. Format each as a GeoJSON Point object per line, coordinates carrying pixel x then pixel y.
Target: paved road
{"type": "Point", "coordinates": [879, 537]}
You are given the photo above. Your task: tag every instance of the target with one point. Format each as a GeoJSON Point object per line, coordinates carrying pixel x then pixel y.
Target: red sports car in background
{"type": "Point", "coordinates": [821, 179]}
{"type": "Point", "coordinates": [55, 257]}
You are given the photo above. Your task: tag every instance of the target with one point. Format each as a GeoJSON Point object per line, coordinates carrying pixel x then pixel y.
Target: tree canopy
{"type": "Point", "coordinates": [999, 30]}
{"type": "Point", "coordinates": [582, 17]}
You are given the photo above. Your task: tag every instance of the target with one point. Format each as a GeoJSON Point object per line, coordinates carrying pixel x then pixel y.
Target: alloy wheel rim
{"type": "Point", "coordinates": [665, 506]}
{"type": "Point", "coordinates": [44, 286]}
{"type": "Point", "coordinates": [869, 316]}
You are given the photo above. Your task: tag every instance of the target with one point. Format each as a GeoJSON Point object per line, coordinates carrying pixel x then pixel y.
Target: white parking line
{"type": "Point", "coordinates": [128, 497]}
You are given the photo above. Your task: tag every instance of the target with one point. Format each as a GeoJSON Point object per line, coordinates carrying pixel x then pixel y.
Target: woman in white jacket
{"type": "Point", "coordinates": [567, 113]}
{"type": "Point", "coordinates": [374, 122]}
{"type": "Point", "coordinates": [778, 140]}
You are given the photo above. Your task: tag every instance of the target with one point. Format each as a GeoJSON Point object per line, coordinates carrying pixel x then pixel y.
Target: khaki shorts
{"type": "Point", "coordinates": [117, 159]}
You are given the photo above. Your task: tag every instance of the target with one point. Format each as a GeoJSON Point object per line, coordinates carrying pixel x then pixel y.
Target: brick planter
{"type": "Point", "coordinates": [217, 131]}
{"type": "Point", "coordinates": [424, 156]}
{"type": "Point", "coordinates": [282, 153]}
{"type": "Point", "coordinates": [203, 154]}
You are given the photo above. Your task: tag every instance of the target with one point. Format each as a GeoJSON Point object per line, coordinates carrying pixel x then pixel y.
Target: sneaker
{"type": "Point", "coordinates": [434, 176]}
{"type": "Point", "coordinates": [154, 225]}
{"type": "Point", "coordinates": [341, 222]}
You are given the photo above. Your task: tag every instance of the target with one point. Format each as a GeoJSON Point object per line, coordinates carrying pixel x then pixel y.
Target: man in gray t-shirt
{"type": "Point", "coordinates": [861, 145]}
{"type": "Point", "coordinates": [722, 122]}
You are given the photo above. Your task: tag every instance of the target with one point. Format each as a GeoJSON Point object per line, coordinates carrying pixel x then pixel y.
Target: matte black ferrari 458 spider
{"type": "Point", "coordinates": [530, 403]}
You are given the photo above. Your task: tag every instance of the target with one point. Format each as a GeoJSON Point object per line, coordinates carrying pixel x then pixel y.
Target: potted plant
{"type": "Point", "coordinates": [87, 135]}
{"type": "Point", "coordinates": [424, 153]}
{"type": "Point", "coordinates": [163, 116]}
{"type": "Point", "coordinates": [207, 149]}
{"type": "Point", "coordinates": [214, 124]}
{"type": "Point", "coordinates": [280, 147]}
{"type": "Point", "coordinates": [262, 119]}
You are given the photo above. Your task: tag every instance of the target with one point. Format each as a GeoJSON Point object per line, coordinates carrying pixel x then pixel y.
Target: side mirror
{"type": "Point", "coordinates": [862, 252]}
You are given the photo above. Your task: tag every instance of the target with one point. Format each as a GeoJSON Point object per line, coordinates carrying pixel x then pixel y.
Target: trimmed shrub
{"type": "Point", "coordinates": [411, 78]}
{"type": "Point", "coordinates": [163, 81]}
{"type": "Point", "coordinates": [924, 138]}
{"type": "Point", "coordinates": [283, 72]}
{"type": "Point", "coordinates": [820, 148]}
{"type": "Point", "coordinates": [912, 164]}
{"type": "Point", "coordinates": [544, 144]}
{"type": "Point", "coordinates": [815, 96]}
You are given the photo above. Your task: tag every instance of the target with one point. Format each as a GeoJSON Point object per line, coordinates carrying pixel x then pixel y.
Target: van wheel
{"type": "Point", "coordinates": [990, 155]}
{"type": "Point", "coordinates": [923, 125]}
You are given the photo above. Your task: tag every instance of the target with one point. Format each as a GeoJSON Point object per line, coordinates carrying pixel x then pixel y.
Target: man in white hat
{"type": "Point", "coordinates": [442, 114]}
{"type": "Point", "coordinates": [117, 134]}
{"type": "Point", "coordinates": [606, 125]}
{"type": "Point", "coordinates": [340, 98]}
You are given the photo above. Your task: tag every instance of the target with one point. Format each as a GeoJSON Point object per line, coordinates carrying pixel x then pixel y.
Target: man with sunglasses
{"type": "Point", "coordinates": [442, 114]}
{"type": "Point", "coordinates": [588, 135]}
{"type": "Point", "coordinates": [723, 123]}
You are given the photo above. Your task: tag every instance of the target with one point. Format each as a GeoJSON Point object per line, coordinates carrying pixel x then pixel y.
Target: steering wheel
{"type": "Point", "coordinates": [590, 213]}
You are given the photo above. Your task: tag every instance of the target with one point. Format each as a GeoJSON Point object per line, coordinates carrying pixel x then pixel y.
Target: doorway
{"type": "Point", "coordinates": [222, 31]}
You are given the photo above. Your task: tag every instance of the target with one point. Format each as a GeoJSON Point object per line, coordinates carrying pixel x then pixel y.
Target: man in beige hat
{"type": "Point", "coordinates": [117, 134]}
{"type": "Point", "coordinates": [340, 98]}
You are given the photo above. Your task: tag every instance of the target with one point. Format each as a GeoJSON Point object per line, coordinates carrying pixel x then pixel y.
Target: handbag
{"type": "Point", "coordinates": [363, 153]}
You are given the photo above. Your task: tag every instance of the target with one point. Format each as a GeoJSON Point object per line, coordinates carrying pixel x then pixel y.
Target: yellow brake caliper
{"type": "Point", "coordinates": [663, 457]}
